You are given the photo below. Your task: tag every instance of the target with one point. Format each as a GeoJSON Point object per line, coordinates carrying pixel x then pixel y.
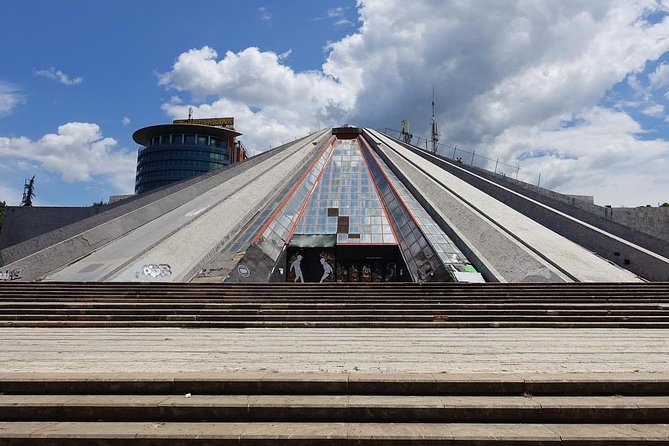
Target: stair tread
{"type": "Point", "coordinates": [398, 432]}
{"type": "Point", "coordinates": [339, 401]}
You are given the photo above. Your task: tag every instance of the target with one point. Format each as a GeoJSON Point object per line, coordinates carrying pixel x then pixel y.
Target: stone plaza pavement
{"type": "Point", "coordinates": [346, 350]}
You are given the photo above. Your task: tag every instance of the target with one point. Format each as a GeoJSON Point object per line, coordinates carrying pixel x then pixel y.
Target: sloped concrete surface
{"type": "Point", "coordinates": [154, 213]}
{"type": "Point", "coordinates": [555, 250]}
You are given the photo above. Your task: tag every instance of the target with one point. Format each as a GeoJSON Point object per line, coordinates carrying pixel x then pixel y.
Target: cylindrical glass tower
{"type": "Point", "coordinates": [174, 152]}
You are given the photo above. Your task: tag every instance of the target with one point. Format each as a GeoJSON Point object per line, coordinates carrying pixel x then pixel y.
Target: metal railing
{"type": "Point", "coordinates": [456, 154]}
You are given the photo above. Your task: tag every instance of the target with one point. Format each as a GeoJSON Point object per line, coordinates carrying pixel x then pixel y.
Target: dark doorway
{"type": "Point", "coordinates": [370, 263]}
{"type": "Point", "coordinates": [345, 263]}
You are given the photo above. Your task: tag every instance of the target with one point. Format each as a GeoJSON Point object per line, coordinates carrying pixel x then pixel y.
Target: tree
{"type": "Point", "coordinates": [28, 192]}
{"type": "Point", "coordinates": [97, 204]}
{"type": "Point", "coordinates": [664, 205]}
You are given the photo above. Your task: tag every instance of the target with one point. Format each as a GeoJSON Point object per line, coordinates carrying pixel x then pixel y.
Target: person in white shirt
{"type": "Point", "coordinates": [297, 267]}
{"type": "Point", "coordinates": [327, 269]}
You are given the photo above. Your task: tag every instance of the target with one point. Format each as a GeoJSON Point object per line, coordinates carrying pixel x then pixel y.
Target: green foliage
{"type": "Point", "coordinates": [28, 192]}
{"type": "Point", "coordinates": [97, 204]}
{"type": "Point", "coordinates": [664, 205]}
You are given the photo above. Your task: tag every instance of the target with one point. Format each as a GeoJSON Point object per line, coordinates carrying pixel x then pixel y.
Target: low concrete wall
{"type": "Point", "coordinates": [23, 223]}
{"type": "Point", "coordinates": [651, 221]}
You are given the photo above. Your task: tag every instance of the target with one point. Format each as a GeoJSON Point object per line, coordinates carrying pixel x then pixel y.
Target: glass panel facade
{"type": "Point", "coordinates": [276, 234]}
{"type": "Point", "coordinates": [345, 201]}
{"type": "Point", "coordinates": [448, 253]}
{"type": "Point", "coordinates": [350, 193]}
{"type": "Point", "coordinates": [173, 157]}
{"type": "Point", "coordinates": [419, 256]}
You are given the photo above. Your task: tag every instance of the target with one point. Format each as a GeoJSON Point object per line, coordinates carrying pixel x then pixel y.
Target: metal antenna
{"type": "Point", "coordinates": [406, 136]}
{"type": "Point", "coordinates": [435, 129]}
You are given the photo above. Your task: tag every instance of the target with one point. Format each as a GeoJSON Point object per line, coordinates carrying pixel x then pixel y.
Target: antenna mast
{"type": "Point", "coordinates": [406, 136]}
{"type": "Point", "coordinates": [435, 129]}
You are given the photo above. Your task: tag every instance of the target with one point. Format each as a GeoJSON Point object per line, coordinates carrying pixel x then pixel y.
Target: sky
{"type": "Point", "coordinates": [573, 93]}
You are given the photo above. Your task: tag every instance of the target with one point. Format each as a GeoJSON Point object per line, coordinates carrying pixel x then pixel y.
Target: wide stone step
{"type": "Point", "coordinates": [336, 408]}
{"type": "Point", "coordinates": [158, 290]}
{"type": "Point", "coordinates": [126, 305]}
{"type": "Point", "coordinates": [438, 323]}
{"type": "Point", "coordinates": [343, 290]}
{"type": "Point", "coordinates": [67, 433]}
{"type": "Point", "coordinates": [343, 318]}
{"type": "Point", "coordinates": [330, 304]}
{"type": "Point", "coordinates": [143, 313]}
{"type": "Point", "coordinates": [405, 384]}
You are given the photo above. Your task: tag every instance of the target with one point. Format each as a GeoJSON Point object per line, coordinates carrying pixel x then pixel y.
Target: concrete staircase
{"type": "Point", "coordinates": [593, 305]}
{"type": "Point", "coordinates": [339, 409]}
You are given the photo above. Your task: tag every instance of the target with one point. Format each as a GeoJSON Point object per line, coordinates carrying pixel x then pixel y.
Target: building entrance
{"type": "Point", "coordinates": [345, 263]}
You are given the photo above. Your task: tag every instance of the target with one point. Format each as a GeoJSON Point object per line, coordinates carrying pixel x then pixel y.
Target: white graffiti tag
{"type": "Point", "coordinates": [8, 275]}
{"type": "Point", "coordinates": [155, 270]}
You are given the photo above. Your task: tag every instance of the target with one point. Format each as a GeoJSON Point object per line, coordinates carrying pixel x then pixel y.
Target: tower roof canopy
{"type": "Point", "coordinates": [144, 135]}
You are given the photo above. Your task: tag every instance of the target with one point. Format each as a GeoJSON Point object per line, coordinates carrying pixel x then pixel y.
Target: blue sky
{"type": "Point", "coordinates": [576, 92]}
{"type": "Point", "coordinates": [117, 48]}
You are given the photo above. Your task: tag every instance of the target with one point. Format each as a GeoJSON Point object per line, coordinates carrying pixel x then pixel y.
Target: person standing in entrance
{"type": "Point", "coordinates": [297, 267]}
{"type": "Point", "coordinates": [327, 269]}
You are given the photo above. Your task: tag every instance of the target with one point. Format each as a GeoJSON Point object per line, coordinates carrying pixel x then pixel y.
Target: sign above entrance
{"type": "Point", "coordinates": [217, 122]}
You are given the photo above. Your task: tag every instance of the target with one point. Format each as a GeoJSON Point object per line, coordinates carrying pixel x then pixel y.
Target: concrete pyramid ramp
{"type": "Point", "coordinates": [440, 221]}
{"type": "Point", "coordinates": [163, 236]}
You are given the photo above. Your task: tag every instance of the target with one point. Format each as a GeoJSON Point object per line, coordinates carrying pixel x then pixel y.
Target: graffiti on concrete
{"type": "Point", "coordinates": [157, 270]}
{"type": "Point", "coordinates": [9, 275]}
{"type": "Point", "coordinates": [243, 270]}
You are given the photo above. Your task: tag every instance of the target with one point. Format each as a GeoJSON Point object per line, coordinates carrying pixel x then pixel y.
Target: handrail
{"type": "Point", "coordinates": [459, 155]}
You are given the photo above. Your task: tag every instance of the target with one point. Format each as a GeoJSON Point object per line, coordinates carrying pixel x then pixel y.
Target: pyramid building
{"type": "Point", "coordinates": [342, 204]}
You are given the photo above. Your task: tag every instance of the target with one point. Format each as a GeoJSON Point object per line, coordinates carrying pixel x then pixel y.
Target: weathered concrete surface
{"type": "Point", "coordinates": [110, 258]}
{"type": "Point", "coordinates": [337, 433]}
{"type": "Point", "coordinates": [178, 193]}
{"type": "Point", "coordinates": [644, 226]}
{"type": "Point", "coordinates": [22, 223]}
{"type": "Point", "coordinates": [438, 351]}
{"type": "Point", "coordinates": [55, 249]}
{"type": "Point", "coordinates": [497, 255]}
{"type": "Point", "coordinates": [618, 246]}
{"type": "Point", "coordinates": [570, 257]}
{"type": "Point", "coordinates": [195, 243]}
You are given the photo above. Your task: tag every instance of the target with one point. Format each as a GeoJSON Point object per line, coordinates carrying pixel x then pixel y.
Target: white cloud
{"type": "Point", "coordinates": [339, 14]}
{"type": "Point", "coordinates": [261, 130]}
{"type": "Point", "coordinates": [494, 64]}
{"type": "Point", "coordinates": [599, 155]}
{"type": "Point", "coordinates": [59, 76]}
{"type": "Point", "coordinates": [77, 152]}
{"type": "Point", "coordinates": [499, 68]}
{"type": "Point", "coordinates": [10, 97]}
{"type": "Point", "coordinates": [269, 100]}
{"type": "Point", "coordinates": [660, 77]}
{"type": "Point", "coordinates": [264, 14]}
{"type": "Point", "coordinates": [125, 120]}
{"type": "Point", "coordinates": [11, 195]}
{"type": "Point", "coordinates": [654, 110]}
